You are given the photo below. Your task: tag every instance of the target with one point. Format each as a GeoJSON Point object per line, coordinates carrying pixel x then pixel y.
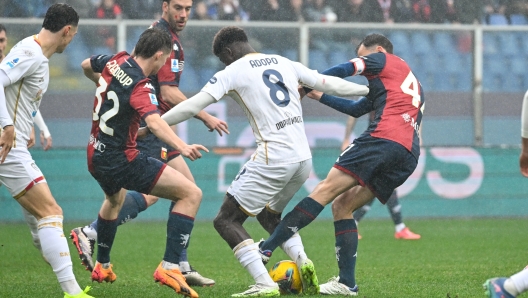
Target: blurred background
{"type": "Point", "coordinates": [469, 55]}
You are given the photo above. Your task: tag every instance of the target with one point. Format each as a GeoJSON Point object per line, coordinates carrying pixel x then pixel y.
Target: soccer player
{"type": "Point", "coordinates": [24, 75]}
{"type": "Point", "coordinates": [125, 95]}
{"type": "Point", "coordinates": [377, 162]}
{"type": "Point", "coordinates": [265, 86]}
{"type": "Point", "coordinates": [175, 14]}
{"type": "Point", "coordinates": [503, 287]}
{"type": "Point", "coordinates": [393, 204]}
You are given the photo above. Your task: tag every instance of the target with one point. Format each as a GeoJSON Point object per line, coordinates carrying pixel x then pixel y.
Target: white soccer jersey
{"type": "Point", "coordinates": [265, 86]}
{"type": "Point", "coordinates": [27, 68]}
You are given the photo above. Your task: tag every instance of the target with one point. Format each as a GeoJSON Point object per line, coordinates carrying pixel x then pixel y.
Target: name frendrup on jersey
{"type": "Point", "coordinates": [118, 73]}
{"type": "Point", "coordinates": [288, 121]}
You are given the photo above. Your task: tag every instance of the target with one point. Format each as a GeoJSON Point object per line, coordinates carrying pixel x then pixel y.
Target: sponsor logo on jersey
{"type": "Point", "coordinates": [153, 99]}
{"type": "Point", "coordinates": [163, 153]}
{"type": "Point", "coordinates": [408, 119]}
{"type": "Point", "coordinates": [288, 121]}
{"type": "Point", "coordinates": [175, 67]}
{"type": "Point", "coordinates": [38, 96]}
{"type": "Point", "coordinates": [263, 62]}
{"type": "Point", "coordinates": [118, 73]}
{"type": "Point", "coordinates": [12, 63]}
{"type": "Point", "coordinates": [213, 80]}
{"type": "Point", "coordinates": [29, 53]}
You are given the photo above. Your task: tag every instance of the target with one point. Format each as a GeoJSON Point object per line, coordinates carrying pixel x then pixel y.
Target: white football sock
{"type": "Point", "coordinates": [399, 227]}
{"type": "Point", "coordinates": [247, 254]}
{"type": "Point", "coordinates": [294, 248]}
{"type": "Point", "coordinates": [33, 227]}
{"type": "Point", "coordinates": [169, 266]}
{"type": "Point", "coordinates": [56, 251]}
{"type": "Point", "coordinates": [185, 266]}
{"type": "Point", "coordinates": [519, 281]}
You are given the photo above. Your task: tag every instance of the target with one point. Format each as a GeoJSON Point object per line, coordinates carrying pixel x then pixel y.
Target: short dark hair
{"type": "Point", "coordinates": [58, 16]}
{"type": "Point", "coordinates": [153, 40]}
{"type": "Point", "coordinates": [227, 36]}
{"type": "Point", "coordinates": [3, 28]}
{"type": "Point", "coordinates": [375, 39]}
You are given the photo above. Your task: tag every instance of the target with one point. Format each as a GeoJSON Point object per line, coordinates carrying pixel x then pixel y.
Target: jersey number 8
{"type": "Point", "coordinates": [273, 79]}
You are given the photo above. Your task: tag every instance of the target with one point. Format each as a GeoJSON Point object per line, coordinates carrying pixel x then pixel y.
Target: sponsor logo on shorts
{"type": "Point", "coordinates": [98, 145]}
{"type": "Point", "coordinates": [34, 166]}
{"type": "Point", "coordinates": [164, 153]}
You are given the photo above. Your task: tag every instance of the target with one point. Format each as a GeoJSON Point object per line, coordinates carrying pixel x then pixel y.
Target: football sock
{"type": "Point", "coordinates": [393, 204]}
{"type": "Point", "coordinates": [519, 281]}
{"type": "Point", "coordinates": [134, 204]}
{"type": "Point", "coordinates": [169, 266]}
{"type": "Point", "coordinates": [106, 231]}
{"type": "Point", "coordinates": [359, 213]}
{"type": "Point", "coordinates": [33, 228]}
{"type": "Point", "coordinates": [56, 251]}
{"type": "Point", "coordinates": [185, 266]}
{"type": "Point", "coordinates": [179, 228]}
{"type": "Point", "coordinates": [294, 248]}
{"type": "Point", "coordinates": [346, 250]}
{"type": "Point", "coordinates": [183, 256]}
{"type": "Point", "coordinates": [184, 262]}
{"type": "Point", "coordinates": [399, 227]}
{"type": "Point", "coordinates": [303, 214]}
{"type": "Point", "coordinates": [246, 253]}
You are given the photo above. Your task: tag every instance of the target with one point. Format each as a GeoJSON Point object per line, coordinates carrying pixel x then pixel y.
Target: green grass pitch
{"type": "Point", "coordinates": [453, 259]}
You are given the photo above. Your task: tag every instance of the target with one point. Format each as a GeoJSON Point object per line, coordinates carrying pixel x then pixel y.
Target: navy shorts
{"type": "Point", "coordinates": [156, 148]}
{"type": "Point", "coordinates": [114, 171]}
{"type": "Point", "coordinates": [379, 164]}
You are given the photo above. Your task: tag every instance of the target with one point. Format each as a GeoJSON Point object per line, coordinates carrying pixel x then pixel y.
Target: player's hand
{"type": "Point", "coordinates": [31, 141]}
{"type": "Point", "coordinates": [314, 94]}
{"type": "Point", "coordinates": [142, 132]}
{"type": "Point", "coordinates": [46, 143]}
{"type": "Point", "coordinates": [214, 123]}
{"type": "Point", "coordinates": [6, 141]}
{"type": "Point", "coordinates": [192, 152]}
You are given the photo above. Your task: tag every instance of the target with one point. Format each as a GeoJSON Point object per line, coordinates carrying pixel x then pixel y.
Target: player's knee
{"type": "Point", "coordinates": [151, 200]}
{"type": "Point", "coordinates": [220, 224]}
{"type": "Point", "coordinates": [340, 208]}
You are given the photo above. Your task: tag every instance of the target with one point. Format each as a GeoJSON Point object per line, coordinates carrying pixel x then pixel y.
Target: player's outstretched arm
{"type": "Point", "coordinates": [188, 108]}
{"type": "Point", "coordinates": [523, 159]}
{"type": "Point", "coordinates": [172, 95]}
{"type": "Point", "coordinates": [339, 87]}
{"type": "Point", "coordinates": [162, 130]}
{"type": "Point", "coordinates": [89, 72]}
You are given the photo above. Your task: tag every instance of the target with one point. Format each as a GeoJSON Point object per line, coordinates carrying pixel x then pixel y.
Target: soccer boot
{"type": "Point", "coordinates": [309, 278]}
{"type": "Point", "coordinates": [494, 288]}
{"type": "Point", "coordinates": [406, 234]}
{"type": "Point", "coordinates": [334, 287]}
{"type": "Point", "coordinates": [100, 274]}
{"type": "Point", "coordinates": [265, 255]}
{"type": "Point", "coordinates": [82, 294]}
{"type": "Point", "coordinates": [173, 278]}
{"type": "Point", "coordinates": [260, 291]}
{"type": "Point", "coordinates": [194, 278]}
{"type": "Point", "coordinates": [84, 246]}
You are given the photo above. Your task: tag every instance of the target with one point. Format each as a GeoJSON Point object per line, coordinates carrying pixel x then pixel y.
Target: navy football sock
{"type": "Point", "coordinates": [134, 204]}
{"type": "Point", "coordinates": [346, 250]}
{"type": "Point", "coordinates": [183, 255]}
{"type": "Point", "coordinates": [303, 214]}
{"type": "Point", "coordinates": [106, 231]}
{"type": "Point", "coordinates": [179, 228]}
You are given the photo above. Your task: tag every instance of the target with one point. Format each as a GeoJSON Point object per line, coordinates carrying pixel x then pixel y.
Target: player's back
{"type": "Point", "coordinates": [115, 117]}
{"type": "Point", "coordinates": [28, 70]}
{"type": "Point", "coordinates": [265, 86]}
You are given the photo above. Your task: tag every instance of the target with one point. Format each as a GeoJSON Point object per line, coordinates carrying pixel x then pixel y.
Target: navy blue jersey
{"type": "Point", "coordinates": [171, 71]}
{"type": "Point", "coordinates": [396, 96]}
{"type": "Point", "coordinates": [123, 97]}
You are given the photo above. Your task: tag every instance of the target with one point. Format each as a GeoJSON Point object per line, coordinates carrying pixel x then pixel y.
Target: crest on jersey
{"type": "Point", "coordinates": [12, 63]}
{"type": "Point", "coordinates": [213, 80]}
{"type": "Point", "coordinates": [153, 99]}
{"type": "Point", "coordinates": [175, 67]}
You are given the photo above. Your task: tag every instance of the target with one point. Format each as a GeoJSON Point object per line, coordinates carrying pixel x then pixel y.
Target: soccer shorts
{"type": "Point", "coordinates": [19, 172]}
{"type": "Point", "coordinates": [156, 148]}
{"type": "Point", "coordinates": [258, 185]}
{"type": "Point", "coordinates": [379, 164]}
{"type": "Point", "coordinates": [114, 171]}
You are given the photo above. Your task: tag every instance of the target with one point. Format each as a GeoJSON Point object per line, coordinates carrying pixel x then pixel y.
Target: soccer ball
{"type": "Point", "coordinates": [286, 275]}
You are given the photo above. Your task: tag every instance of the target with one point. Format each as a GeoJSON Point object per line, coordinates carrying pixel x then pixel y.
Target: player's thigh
{"type": "Point", "coordinates": [181, 166]}
{"type": "Point", "coordinates": [257, 184]}
{"type": "Point", "coordinates": [283, 197]}
{"type": "Point", "coordinates": [39, 201]}
{"type": "Point", "coordinates": [357, 196]}
{"type": "Point", "coordinates": [336, 183]}
{"type": "Point", "coordinates": [174, 186]}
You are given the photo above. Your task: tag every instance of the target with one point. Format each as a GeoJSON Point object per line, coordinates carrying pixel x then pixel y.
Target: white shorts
{"type": "Point", "coordinates": [19, 172]}
{"type": "Point", "coordinates": [257, 185]}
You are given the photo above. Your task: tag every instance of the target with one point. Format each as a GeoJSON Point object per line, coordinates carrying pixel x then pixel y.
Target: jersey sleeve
{"type": "Point", "coordinates": [143, 99]}
{"type": "Point", "coordinates": [219, 85]}
{"type": "Point", "coordinates": [306, 76]}
{"type": "Point", "coordinates": [369, 65]}
{"type": "Point", "coordinates": [20, 63]}
{"type": "Point", "coordinates": [169, 73]}
{"type": "Point", "coordinates": [98, 62]}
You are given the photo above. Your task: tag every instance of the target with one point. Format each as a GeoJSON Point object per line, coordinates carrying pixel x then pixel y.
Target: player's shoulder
{"type": "Point", "coordinates": [28, 48]}
{"type": "Point", "coordinates": [162, 24]}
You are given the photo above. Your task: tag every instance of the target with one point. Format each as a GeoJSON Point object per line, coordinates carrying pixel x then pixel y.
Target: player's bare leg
{"type": "Point", "coordinates": [187, 198]}
{"type": "Point", "coordinates": [229, 224]}
{"type": "Point", "coordinates": [39, 202]}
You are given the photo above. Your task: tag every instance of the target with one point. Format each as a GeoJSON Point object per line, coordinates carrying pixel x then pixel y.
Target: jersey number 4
{"type": "Point", "coordinates": [410, 87]}
{"type": "Point", "coordinates": [108, 114]}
